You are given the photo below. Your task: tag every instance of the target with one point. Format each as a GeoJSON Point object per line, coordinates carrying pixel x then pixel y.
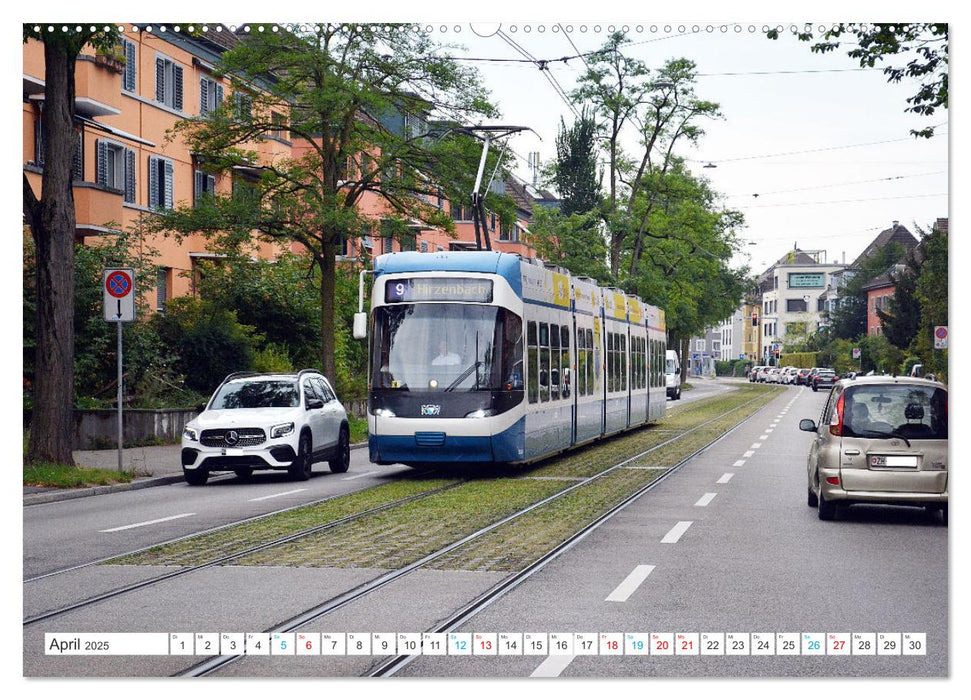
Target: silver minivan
{"type": "Point", "coordinates": [880, 440]}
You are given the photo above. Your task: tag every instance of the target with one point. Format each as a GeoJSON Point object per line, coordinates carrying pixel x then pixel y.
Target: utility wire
{"type": "Point", "coordinates": [837, 184]}
{"type": "Point", "coordinates": [543, 68]}
{"type": "Point", "coordinates": [844, 201]}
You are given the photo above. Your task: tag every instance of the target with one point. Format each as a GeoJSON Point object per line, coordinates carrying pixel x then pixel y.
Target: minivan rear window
{"type": "Point", "coordinates": [895, 410]}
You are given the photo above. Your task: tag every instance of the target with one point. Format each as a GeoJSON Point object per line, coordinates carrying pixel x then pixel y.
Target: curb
{"type": "Point", "coordinates": [32, 499]}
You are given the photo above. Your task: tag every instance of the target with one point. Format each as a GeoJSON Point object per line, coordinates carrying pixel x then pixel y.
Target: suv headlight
{"type": "Point", "coordinates": [278, 431]}
{"type": "Point", "coordinates": [190, 434]}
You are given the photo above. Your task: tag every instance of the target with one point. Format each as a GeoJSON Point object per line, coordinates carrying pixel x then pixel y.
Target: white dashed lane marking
{"type": "Point", "coordinates": [148, 522]}
{"type": "Point", "coordinates": [725, 478]}
{"type": "Point", "coordinates": [630, 584]}
{"type": "Point", "coordinates": [705, 500]}
{"type": "Point", "coordinates": [275, 495]}
{"type": "Point", "coordinates": [674, 534]}
{"type": "Point", "coordinates": [552, 667]}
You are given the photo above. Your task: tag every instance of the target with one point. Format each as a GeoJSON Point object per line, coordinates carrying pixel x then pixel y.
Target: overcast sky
{"type": "Point", "coordinates": [824, 144]}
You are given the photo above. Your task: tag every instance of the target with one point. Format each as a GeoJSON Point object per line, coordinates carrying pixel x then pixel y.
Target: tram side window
{"type": "Point", "coordinates": [555, 373]}
{"type": "Point", "coordinates": [532, 352]}
{"type": "Point", "coordinates": [581, 362]}
{"type": "Point", "coordinates": [611, 362]}
{"type": "Point", "coordinates": [544, 362]}
{"type": "Point", "coordinates": [566, 372]}
{"type": "Point", "coordinates": [591, 383]}
{"type": "Point", "coordinates": [641, 363]}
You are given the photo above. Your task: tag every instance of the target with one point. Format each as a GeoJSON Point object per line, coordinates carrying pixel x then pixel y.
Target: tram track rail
{"type": "Point", "coordinates": [213, 664]}
{"type": "Point", "coordinates": [223, 559]}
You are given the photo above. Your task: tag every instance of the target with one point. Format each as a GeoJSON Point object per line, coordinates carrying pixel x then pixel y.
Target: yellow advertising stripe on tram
{"type": "Point", "coordinates": [561, 290]}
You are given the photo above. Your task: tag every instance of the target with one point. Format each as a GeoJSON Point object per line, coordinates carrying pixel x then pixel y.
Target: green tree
{"type": "Point", "coordinates": [573, 241]}
{"type": "Point", "coordinates": [932, 295]}
{"type": "Point", "coordinates": [575, 173]}
{"type": "Point", "coordinates": [685, 267]}
{"type": "Point", "coordinates": [52, 226]}
{"type": "Point", "coordinates": [848, 319]}
{"type": "Point", "coordinates": [901, 320]}
{"type": "Point", "coordinates": [358, 98]}
{"type": "Point", "coordinates": [926, 45]}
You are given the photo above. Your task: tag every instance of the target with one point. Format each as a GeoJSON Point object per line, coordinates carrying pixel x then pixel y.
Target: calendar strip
{"type": "Point", "coordinates": [487, 644]}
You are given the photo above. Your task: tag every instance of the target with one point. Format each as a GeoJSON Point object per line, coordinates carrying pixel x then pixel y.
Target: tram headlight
{"type": "Point", "coordinates": [481, 413]}
{"type": "Point", "coordinates": [384, 413]}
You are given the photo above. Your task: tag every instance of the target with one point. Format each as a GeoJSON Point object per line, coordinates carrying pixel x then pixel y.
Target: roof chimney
{"type": "Point", "coordinates": [896, 223]}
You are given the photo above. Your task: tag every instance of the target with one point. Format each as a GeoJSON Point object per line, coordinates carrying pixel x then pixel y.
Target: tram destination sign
{"type": "Point", "coordinates": [409, 289]}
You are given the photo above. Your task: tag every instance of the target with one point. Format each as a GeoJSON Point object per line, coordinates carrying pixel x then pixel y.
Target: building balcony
{"type": "Point", "coordinates": [97, 210]}
{"type": "Point", "coordinates": [97, 87]}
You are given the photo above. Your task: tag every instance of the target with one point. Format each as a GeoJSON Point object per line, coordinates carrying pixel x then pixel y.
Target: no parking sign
{"type": "Point", "coordinates": [119, 294]}
{"type": "Point", "coordinates": [940, 337]}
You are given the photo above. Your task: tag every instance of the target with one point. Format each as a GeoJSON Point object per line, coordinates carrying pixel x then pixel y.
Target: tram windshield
{"type": "Point", "coordinates": [447, 347]}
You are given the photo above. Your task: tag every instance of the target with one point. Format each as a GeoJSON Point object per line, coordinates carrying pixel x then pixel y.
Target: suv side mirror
{"type": "Point", "coordinates": [360, 325]}
{"type": "Point", "coordinates": [313, 403]}
{"type": "Point", "coordinates": [808, 425]}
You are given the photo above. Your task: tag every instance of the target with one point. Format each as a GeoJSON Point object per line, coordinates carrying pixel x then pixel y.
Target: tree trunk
{"type": "Point", "coordinates": [328, 287]}
{"type": "Point", "coordinates": [52, 226]}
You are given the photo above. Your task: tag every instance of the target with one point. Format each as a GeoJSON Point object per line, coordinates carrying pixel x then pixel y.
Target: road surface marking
{"type": "Point", "coordinates": [725, 478]}
{"type": "Point", "coordinates": [762, 437]}
{"type": "Point", "coordinates": [706, 499]}
{"type": "Point", "coordinates": [148, 522]}
{"type": "Point", "coordinates": [630, 584]}
{"type": "Point", "coordinates": [285, 493]}
{"type": "Point", "coordinates": [756, 445]}
{"type": "Point", "coordinates": [748, 454]}
{"type": "Point", "coordinates": [739, 463]}
{"type": "Point", "coordinates": [675, 533]}
{"type": "Point", "coordinates": [552, 667]}
{"type": "Point", "coordinates": [358, 476]}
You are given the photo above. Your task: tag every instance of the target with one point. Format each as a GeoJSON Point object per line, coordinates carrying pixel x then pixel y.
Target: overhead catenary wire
{"type": "Point", "coordinates": [835, 184]}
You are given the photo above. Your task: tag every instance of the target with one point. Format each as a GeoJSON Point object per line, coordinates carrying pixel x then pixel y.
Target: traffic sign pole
{"type": "Point", "coordinates": [119, 307]}
{"type": "Point", "coordinates": [121, 432]}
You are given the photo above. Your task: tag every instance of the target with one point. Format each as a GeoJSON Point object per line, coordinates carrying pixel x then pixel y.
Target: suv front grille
{"type": "Point", "coordinates": [244, 437]}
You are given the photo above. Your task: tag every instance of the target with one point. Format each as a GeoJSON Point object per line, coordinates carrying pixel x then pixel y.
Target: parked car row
{"type": "Point", "coordinates": [814, 377]}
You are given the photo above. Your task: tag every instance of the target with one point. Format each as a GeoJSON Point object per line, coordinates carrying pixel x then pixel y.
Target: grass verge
{"type": "Point", "coordinates": [63, 476]}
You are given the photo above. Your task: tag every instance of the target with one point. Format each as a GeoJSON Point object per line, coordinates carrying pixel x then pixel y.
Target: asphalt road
{"type": "Point", "coordinates": [754, 559]}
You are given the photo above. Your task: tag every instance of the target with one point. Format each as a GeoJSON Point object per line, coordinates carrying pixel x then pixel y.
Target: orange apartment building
{"type": "Point", "coordinates": [125, 167]}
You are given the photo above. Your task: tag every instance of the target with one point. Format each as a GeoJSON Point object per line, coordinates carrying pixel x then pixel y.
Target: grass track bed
{"type": "Point", "coordinates": [522, 541]}
{"type": "Point", "coordinates": [202, 548]}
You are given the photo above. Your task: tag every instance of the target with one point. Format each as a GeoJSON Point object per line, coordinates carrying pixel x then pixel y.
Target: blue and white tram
{"type": "Point", "coordinates": [486, 357]}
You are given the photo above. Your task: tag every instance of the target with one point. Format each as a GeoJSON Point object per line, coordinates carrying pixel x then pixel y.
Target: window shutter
{"type": "Point", "coordinates": [101, 164]}
{"type": "Point", "coordinates": [160, 80]}
{"type": "Point", "coordinates": [129, 176]}
{"type": "Point", "coordinates": [203, 96]}
{"type": "Point", "coordinates": [153, 182]}
{"type": "Point", "coordinates": [169, 184]}
{"type": "Point", "coordinates": [199, 188]}
{"type": "Point", "coordinates": [219, 96]}
{"type": "Point", "coordinates": [77, 163]}
{"type": "Point", "coordinates": [211, 184]}
{"type": "Point", "coordinates": [177, 70]}
{"type": "Point", "coordinates": [128, 81]}
{"type": "Point", "coordinates": [162, 288]}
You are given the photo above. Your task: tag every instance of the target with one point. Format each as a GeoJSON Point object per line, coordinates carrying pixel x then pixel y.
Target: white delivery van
{"type": "Point", "coordinates": [672, 374]}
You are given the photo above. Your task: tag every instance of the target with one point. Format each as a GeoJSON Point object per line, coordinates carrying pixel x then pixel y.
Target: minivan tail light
{"type": "Point", "coordinates": [836, 422]}
{"type": "Point", "coordinates": [834, 480]}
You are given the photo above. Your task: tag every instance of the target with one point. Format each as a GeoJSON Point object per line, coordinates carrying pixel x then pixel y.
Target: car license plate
{"type": "Point", "coordinates": [892, 461]}
{"type": "Point", "coordinates": [232, 452]}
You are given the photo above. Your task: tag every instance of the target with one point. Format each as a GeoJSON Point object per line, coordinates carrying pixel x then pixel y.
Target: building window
{"type": "Point", "coordinates": [424, 246]}
{"type": "Point", "coordinates": [210, 95]}
{"type": "Point", "coordinates": [796, 305]}
{"type": "Point", "coordinates": [168, 83]}
{"type": "Point", "coordinates": [115, 167]}
{"type": "Point", "coordinates": [700, 345]}
{"type": "Point", "coordinates": [242, 107]}
{"type": "Point", "coordinates": [279, 123]}
{"type": "Point", "coordinates": [162, 288]}
{"type": "Point", "coordinates": [161, 183]}
{"type": "Point", "coordinates": [205, 184]}
{"type": "Point", "coordinates": [128, 77]}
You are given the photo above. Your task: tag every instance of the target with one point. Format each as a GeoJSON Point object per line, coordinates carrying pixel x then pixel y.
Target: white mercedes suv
{"type": "Point", "coordinates": [267, 421]}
